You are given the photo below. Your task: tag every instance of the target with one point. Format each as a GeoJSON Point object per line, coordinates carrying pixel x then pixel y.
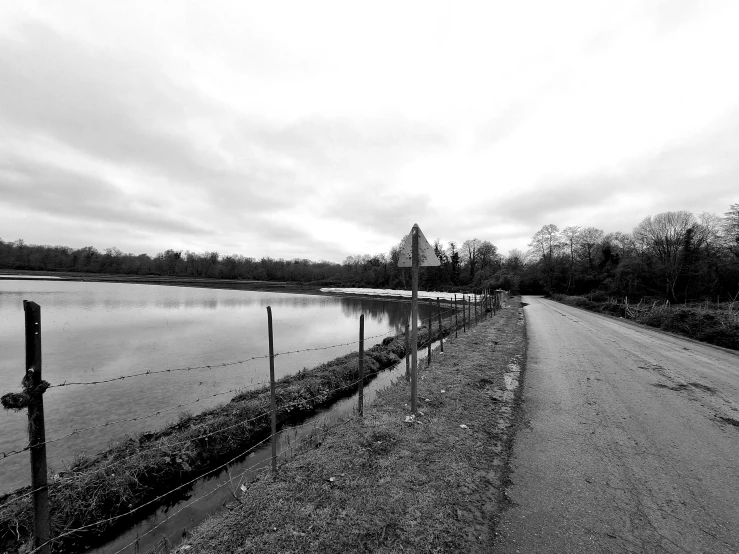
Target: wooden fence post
{"type": "Point", "coordinates": [272, 399]}
{"type": "Point", "coordinates": [361, 366]}
{"type": "Point", "coordinates": [456, 321]}
{"type": "Point", "coordinates": [36, 429]}
{"type": "Point", "coordinates": [431, 322]}
{"type": "Point", "coordinates": [441, 329]}
{"type": "Point", "coordinates": [476, 320]}
{"type": "Point", "coordinates": [407, 354]}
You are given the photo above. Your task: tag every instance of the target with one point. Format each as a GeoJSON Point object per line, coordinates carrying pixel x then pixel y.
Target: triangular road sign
{"type": "Point", "coordinates": [426, 255]}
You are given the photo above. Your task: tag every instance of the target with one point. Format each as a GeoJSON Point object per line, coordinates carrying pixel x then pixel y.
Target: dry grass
{"type": "Point", "coordinates": [380, 484]}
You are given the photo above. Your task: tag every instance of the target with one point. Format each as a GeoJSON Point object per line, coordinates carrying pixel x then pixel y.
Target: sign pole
{"type": "Point", "coordinates": [414, 316]}
{"type": "Point", "coordinates": [415, 252]}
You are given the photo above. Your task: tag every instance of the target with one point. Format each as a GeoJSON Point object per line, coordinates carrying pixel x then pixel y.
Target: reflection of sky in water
{"type": "Point", "coordinates": [93, 331]}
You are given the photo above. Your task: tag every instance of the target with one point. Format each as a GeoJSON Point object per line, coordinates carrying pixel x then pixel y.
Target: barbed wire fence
{"type": "Point", "coordinates": [31, 398]}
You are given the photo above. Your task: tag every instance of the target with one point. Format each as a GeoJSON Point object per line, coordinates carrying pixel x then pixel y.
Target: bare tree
{"type": "Point", "coordinates": [664, 235]}
{"type": "Point", "coordinates": [470, 254]}
{"type": "Point", "coordinates": [590, 237]}
{"type": "Point", "coordinates": [572, 236]}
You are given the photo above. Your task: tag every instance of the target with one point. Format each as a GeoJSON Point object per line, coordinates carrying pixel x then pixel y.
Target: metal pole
{"type": "Point", "coordinates": [361, 365]}
{"type": "Point", "coordinates": [456, 323]}
{"type": "Point", "coordinates": [272, 400]}
{"type": "Point", "coordinates": [441, 329]}
{"type": "Point", "coordinates": [36, 428]}
{"type": "Point", "coordinates": [414, 315]}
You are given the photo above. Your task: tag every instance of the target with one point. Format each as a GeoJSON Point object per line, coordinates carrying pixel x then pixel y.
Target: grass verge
{"type": "Point", "coordinates": [115, 486]}
{"type": "Point", "coordinates": [696, 321]}
{"type": "Point", "coordinates": [381, 484]}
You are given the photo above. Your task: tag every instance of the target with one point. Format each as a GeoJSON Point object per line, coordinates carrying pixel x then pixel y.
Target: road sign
{"type": "Point", "coordinates": [416, 251]}
{"type": "Point", "coordinates": [426, 254]}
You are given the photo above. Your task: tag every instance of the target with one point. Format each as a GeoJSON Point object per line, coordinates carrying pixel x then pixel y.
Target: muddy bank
{"type": "Point", "coordinates": [115, 485]}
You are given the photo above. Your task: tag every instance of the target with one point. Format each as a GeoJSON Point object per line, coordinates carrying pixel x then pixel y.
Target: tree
{"type": "Point", "coordinates": [546, 243]}
{"type": "Point", "coordinates": [470, 254]}
{"type": "Point", "coordinates": [454, 261]}
{"type": "Point", "coordinates": [730, 228]}
{"type": "Point", "coordinates": [571, 235]}
{"type": "Point", "coordinates": [665, 236]}
{"type": "Point", "coordinates": [590, 237]}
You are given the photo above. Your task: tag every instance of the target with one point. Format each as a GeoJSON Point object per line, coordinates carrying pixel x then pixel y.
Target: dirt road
{"type": "Point", "coordinates": [631, 441]}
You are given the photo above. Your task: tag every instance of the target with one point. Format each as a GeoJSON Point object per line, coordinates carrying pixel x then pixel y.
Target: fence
{"type": "Point", "coordinates": [130, 475]}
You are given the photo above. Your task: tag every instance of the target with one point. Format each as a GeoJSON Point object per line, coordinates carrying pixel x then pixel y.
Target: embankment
{"type": "Point", "coordinates": [390, 483]}
{"type": "Point", "coordinates": [105, 493]}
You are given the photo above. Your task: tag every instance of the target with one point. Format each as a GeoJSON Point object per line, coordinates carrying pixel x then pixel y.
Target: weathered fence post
{"type": "Point", "coordinates": [36, 428]}
{"type": "Point", "coordinates": [431, 322]}
{"type": "Point", "coordinates": [361, 365]}
{"type": "Point", "coordinates": [272, 400]}
{"type": "Point", "coordinates": [407, 354]}
{"type": "Point", "coordinates": [476, 320]}
{"type": "Point", "coordinates": [441, 329]}
{"type": "Point", "coordinates": [456, 322]}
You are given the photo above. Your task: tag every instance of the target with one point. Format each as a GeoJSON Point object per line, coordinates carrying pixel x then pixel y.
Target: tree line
{"type": "Point", "coordinates": [676, 255]}
{"type": "Point", "coordinates": [470, 264]}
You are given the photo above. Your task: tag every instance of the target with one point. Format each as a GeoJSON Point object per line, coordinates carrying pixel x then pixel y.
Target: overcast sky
{"type": "Point", "coordinates": [318, 130]}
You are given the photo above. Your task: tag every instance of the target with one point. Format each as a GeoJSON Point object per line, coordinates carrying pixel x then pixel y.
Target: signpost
{"type": "Point", "coordinates": [415, 252]}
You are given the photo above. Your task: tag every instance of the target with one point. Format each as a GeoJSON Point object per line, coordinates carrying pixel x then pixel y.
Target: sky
{"type": "Point", "coordinates": [325, 129]}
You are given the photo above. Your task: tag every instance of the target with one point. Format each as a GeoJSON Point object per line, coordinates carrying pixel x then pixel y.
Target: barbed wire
{"type": "Point", "coordinates": [161, 445]}
{"type": "Point", "coordinates": [153, 500]}
{"type": "Point", "coordinates": [153, 414]}
{"type": "Point", "coordinates": [11, 453]}
{"type": "Point", "coordinates": [209, 493]}
{"type": "Point", "coordinates": [208, 366]}
{"type": "Point", "coordinates": [157, 371]}
{"type": "Point", "coordinates": [179, 487]}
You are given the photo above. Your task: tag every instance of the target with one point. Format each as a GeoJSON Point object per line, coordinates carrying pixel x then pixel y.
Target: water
{"type": "Point", "coordinates": [208, 494]}
{"type": "Point", "coordinates": [97, 331]}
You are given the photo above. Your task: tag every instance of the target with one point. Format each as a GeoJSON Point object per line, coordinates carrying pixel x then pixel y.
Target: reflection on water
{"type": "Point", "coordinates": [97, 331]}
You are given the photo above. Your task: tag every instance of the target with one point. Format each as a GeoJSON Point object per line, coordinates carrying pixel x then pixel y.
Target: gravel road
{"type": "Point", "coordinates": [630, 441]}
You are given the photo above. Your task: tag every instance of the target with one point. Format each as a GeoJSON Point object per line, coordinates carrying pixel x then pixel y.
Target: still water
{"type": "Point", "coordinates": [98, 331]}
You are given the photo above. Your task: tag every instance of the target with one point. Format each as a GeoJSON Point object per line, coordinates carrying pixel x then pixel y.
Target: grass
{"type": "Point", "coordinates": [379, 484]}
{"type": "Point", "coordinates": [704, 322]}
{"type": "Point", "coordinates": [137, 469]}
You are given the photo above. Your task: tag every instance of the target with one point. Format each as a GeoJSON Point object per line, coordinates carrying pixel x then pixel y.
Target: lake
{"type": "Point", "coordinates": [98, 331]}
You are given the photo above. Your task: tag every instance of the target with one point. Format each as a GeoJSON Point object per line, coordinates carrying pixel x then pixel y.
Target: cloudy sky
{"type": "Point", "coordinates": [323, 129]}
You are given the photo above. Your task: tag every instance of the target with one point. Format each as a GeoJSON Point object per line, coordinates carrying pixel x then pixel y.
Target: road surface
{"type": "Point", "coordinates": [630, 443]}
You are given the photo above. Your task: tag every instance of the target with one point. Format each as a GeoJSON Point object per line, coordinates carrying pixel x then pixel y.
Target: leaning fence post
{"type": "Point", "coordinates": [407, 354]}
{"type": "Point", "coordinates": [361, 366]}
{"type": "Point", "coordinates": [431, 322]}
{"type": "Point", "coordinates": [272, 401]}
{"type": "Point", "coordinates": [36, 428]}
{"type": "Point", "coordinates": [441, 329]}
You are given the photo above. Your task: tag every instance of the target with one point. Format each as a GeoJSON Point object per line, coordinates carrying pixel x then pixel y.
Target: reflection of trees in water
{"type": "Point", "coordinates": [396, 313]}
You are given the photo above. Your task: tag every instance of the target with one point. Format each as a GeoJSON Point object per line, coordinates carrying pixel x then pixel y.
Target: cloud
{"type": "Point", "coordinates": [697, 174]}
{"type": "Point", "coordinates": [84, 198]}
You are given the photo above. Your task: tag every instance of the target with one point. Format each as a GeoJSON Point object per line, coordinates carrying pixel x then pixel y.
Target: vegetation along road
{"type": "Point", "coordinates": [630, 441]}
